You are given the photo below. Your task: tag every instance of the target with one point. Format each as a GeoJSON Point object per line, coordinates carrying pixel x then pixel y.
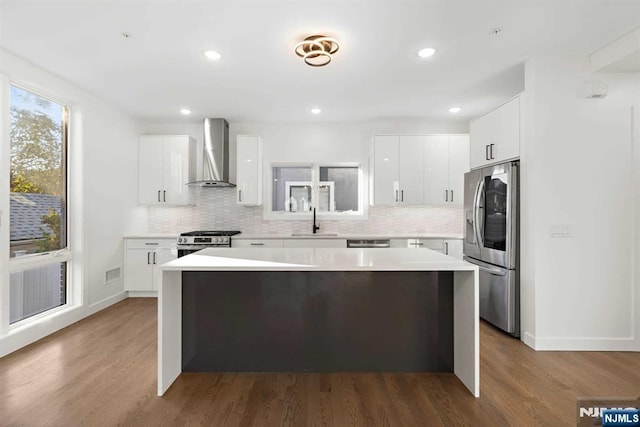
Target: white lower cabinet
{"type": "Point", "coordinates": [451, 247]}
{"type": "Point", "coordinates": [257, 243]}
{"type": "Point", "coordinates": [315, 243]}
{"type": "Point", "coordinates": [141, 258]}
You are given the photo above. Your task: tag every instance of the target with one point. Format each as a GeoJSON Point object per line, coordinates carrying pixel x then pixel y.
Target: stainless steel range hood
{"type": "Point", "coordinates": [215, 155]}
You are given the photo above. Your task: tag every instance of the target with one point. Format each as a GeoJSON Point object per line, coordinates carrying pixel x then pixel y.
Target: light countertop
{"type": "Point", "coordinates": [248, 236]}
{"type": "Point", "coordinates": [316, 259]}
{"type": "Point", "coordinates": [153, 236]}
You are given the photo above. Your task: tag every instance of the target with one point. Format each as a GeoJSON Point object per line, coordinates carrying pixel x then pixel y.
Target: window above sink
{"type": "Point", "coordinates": [333, 189]}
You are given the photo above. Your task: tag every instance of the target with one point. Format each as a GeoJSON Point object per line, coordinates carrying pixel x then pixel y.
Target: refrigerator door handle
{"type": "Point", "coordinates": [476, 212]}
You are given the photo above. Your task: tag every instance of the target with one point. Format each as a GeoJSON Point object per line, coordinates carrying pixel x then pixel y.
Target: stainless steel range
{"type": "Point", "coordinates": [194, 241]}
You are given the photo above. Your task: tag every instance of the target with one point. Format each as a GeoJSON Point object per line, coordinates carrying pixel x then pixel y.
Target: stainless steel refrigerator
{"type": "Point", "coordinates": [492, 241]}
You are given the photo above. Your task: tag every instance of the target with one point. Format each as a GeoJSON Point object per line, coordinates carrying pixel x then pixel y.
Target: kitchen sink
{"type": "Point", "coordinates": [314, 235]}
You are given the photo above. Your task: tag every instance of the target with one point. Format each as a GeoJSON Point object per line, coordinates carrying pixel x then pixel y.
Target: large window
{"type": "Point", "coordinates": [333, 190]}
{"type": "Point", "coordinates": [38, 203]}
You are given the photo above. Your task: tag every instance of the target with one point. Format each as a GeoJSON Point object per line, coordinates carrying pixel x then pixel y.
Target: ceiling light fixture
{"type": "Point", "coordinates": [426, 52]}
{"type": "Point", "coordinates": [316, 50]}
{"type": "Point", "coordinates": [185, 111]}
{"type": "Point", "coordinates": [211, 55]}
{"type": "Point", "coordinates": [316, 111]}
{"type": "Point", "coordinates": [455, 109]}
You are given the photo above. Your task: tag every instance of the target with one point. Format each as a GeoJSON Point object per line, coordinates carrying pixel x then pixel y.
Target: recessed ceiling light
{"type": "Point", "coordinates": [455, 109]}
{"type": "Point", "coordinates": [185, 111]}
{"type": "Point", "coordinates": [211, 55]}
{"type": "Point", "coordinates": [316, 111]}
{"type": "Point", "coordinates": [426, 52]}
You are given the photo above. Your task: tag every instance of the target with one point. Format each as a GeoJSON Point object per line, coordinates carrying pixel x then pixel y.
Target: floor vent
{"type": "Point", "coordinates": [111, 275]}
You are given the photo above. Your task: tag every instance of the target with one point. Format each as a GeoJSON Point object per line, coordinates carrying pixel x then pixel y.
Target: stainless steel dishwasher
{"type": "Point", "coordinates": [368, 243]}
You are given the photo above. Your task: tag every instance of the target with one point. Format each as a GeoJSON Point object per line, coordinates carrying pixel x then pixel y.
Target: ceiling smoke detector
{"type": "Point", "coordinates": [496, 32]}
{"type": "Point", "coordinates": [316, 50]}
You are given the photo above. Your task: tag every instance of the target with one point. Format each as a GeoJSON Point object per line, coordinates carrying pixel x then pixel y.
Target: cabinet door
{"type": "Point", "coordinates": [411, 169]}
{"type": "Point", "coordinates": [458, 166]}
{"type": "Point", "coordinates": [385, 170]}
{"type": "Point", "coordinates": [177, 152]}
{"type": "Point", "coordinates": [436, 171]}
{"type": "Point", "coordinates": [249, 171]}
{"type": "Point", "coordinates": [453, 248]}
{"type": "Point", "coordinates": [150, 170]}
{"type": "Point", "coordinates": [161, 256]}
{"type": "Point", "coordinates": [506, 132]}
{"type": "Point", "coordinates": [480, 133]}
{"type": "Point", "coordinates": [138, 270]}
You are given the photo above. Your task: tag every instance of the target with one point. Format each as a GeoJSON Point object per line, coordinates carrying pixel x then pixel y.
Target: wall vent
{"type": "Point", "coordinates": [111, 275]}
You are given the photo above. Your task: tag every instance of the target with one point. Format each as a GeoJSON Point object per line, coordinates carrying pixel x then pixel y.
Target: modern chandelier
{"type": "Point", "coordinates": [316, 50]}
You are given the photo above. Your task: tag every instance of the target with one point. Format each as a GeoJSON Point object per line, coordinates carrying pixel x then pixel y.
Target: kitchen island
{"type": "Point", "coordinates": [319, 310]}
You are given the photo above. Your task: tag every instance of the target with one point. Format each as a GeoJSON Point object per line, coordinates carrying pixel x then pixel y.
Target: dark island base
{"type": "Point", "coordinates": [284, 321]}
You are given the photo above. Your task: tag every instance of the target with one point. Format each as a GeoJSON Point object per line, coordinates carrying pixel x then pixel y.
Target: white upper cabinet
{"type": "Point", "coordinates": [419, 169]}
{"type": "Point", "coordinates": [249, 171]}
{"type": "Point", "coordinates": [398, 170]}
{"type": "Point", "coordinates": [495, 137]}
{"type": "Point", "coordinates": [167, 164]}
{"type": "Point", "coordinates": [411, 170]}
{"type": "Point", "coordinates": [386, 165]}
{"type": "Point", "coordinates": [446, 159]}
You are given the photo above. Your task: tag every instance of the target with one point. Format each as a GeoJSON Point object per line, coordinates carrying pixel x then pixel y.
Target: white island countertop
{"type": "Point", "coordinates": [466, 332]}
{"type": "Point", "coordinates": [317, 259]}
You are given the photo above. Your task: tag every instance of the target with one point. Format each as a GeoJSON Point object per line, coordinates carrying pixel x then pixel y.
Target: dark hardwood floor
{"type": "Point", "coordinates": [102, 371]}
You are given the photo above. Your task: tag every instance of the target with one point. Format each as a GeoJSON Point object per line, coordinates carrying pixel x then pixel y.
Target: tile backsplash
{"type": "Point", "coordinates": [216, 209]}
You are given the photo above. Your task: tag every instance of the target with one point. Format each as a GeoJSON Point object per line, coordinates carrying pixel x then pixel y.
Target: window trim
{"type": "Point", "coordinates": [37, 260]}
{"type": "Point", "coordinates": [269, 214]}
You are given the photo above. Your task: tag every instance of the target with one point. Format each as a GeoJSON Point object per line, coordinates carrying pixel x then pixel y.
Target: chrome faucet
{"type": "Point", "coordinates": [315, 227]}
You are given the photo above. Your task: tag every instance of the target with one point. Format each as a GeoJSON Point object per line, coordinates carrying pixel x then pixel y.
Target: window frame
{"type": "Point", "coordinates": [36, 260]}
{"type": "Point", "coordinates": [270, 214]}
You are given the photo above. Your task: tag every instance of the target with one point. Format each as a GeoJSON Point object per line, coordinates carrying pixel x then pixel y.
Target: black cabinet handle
{"type": "Point", "coordinates": [154, 257]}
{"type": "Point", "coordinates": [396, 196]}
{"type": "Point", "coordinates": [164, 195]}
{"type": "Point", "coordinates": [491, 150]}
{"type": "Point", "coordinates": [148, 259]}
{"type": "Point", "coordinates": [159, 196]}
{"type": "Point", "coordinates": [446, 195]}
{"type": "Point", "coordinates": [486, 152]}
{"type": "Point", "coordinates": [452, 195]}
{"type": "Point", "coordinates": [402, 195]}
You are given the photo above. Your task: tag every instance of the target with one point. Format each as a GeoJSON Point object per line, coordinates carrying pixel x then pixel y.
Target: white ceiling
{"type": "Point", "coordinates": [376, 75]}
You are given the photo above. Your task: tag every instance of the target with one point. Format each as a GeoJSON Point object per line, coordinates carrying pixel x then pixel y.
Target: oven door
{"type": "Point", "coordinates": [189, 249]}
{"type": "Point", "coordinates": [497, 212]}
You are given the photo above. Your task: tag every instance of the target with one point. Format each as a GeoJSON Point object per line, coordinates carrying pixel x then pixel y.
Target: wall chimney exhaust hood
{"type": "Point", "coordinates": [215, 155]}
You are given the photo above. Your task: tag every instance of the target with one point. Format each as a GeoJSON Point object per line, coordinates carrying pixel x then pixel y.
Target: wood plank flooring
{"type": "Point", "coordinates": [102, 372]}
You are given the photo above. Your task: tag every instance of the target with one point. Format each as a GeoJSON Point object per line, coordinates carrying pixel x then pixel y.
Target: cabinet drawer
{"type": "Point", "coordinates": [257, 243]}
{"type": "Point", "coordinates": [150, 243]}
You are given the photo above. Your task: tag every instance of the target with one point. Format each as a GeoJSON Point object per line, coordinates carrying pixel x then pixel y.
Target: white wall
{"type": "Point", "coordinates": [577, 169]}
{"type": "Point", "coordinates": [103, 156]}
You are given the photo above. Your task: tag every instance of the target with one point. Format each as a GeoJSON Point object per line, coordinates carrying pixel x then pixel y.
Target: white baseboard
{"type": "Point", "coordinates": [34, 331]}
{"type": "Point", "coordinates": [580, 344]}
{"type": "Point", "coordinates": [101, 305]}
{"type": "Point", "coordinates": [529, 340]}
{"type": "Point", "coordinates": [143, 294]}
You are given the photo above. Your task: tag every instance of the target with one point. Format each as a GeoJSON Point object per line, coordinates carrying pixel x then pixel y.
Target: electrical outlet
{"type": "Point", "coordinates": [559, 231]}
